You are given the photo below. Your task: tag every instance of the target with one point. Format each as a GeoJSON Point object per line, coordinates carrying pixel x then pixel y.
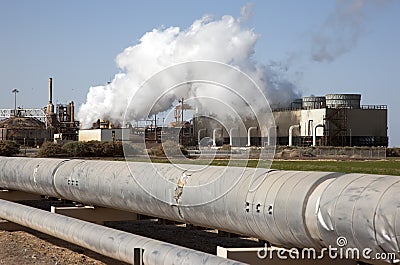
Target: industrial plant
{"type": "Point", "coordinates": [330, 120]}
{"type": "Point", "coordinates": [286, 209]}
{"type": "Point", "coordinates": [32, 127]}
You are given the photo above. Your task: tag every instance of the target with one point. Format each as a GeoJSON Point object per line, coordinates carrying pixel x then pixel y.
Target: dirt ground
{"type": "Point", "coordinates": [24, 246]}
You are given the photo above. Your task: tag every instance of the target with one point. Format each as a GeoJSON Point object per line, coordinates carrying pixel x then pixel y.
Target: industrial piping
{"type": "Point", "coordinates": [291, 133]}
{"type": "Point", "coordinates": [106, 241]}
{"type": "Point", "coordinates": [215, 136]}
{"type": "Point", "coordinates": [199, 135]}
{"type": "Point", "coordinates": [231, 135]}
{"type": "Point", "coordinates": [286, 208]}
{"type": "Point", "coordinates": [249, 135]}
{"type": "Point", "coordinates": [314, 136]}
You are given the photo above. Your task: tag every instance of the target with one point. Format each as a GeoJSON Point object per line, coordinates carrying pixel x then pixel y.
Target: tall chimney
{"type": "Point", "coordinates": [50, 106]}
{"type": "Point", "coordinates": [50, 90]}
{"type": "Point", "coordinates": [72, 111]}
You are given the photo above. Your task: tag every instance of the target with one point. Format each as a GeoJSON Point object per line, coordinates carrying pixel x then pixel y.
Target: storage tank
{"type": "Point", "coordinates": [313, 102]}
{"type": "Point", "coordinates": [350, 101]}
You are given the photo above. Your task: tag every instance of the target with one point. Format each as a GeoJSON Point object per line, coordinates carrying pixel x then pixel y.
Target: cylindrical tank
{"type": "Point", "coordinates": [350, 101]}
{"type": "Point", "coordinates": [313, 102]}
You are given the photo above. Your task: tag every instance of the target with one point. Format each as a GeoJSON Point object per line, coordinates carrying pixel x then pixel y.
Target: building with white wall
{"type": "Point", "coordinates": [336, 120]}
{"type": "Point", "coordinates": [104, 134]}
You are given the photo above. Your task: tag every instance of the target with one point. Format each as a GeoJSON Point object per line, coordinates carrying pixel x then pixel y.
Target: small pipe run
{"type": "Point", "coordinates": [249, 135]}
{"type": "Point", "coordinates": [291, 133]}
{"type": "Point", "coordinates": [314, 136]}
{"type": "Point", "coordinates": [215, 135]}
{"type": "Point", "coordinates": [199, 135]}
{"type": "Point", "coordinates": [231, 136]}
{"type": "Point", "coordinates": [110, 242]}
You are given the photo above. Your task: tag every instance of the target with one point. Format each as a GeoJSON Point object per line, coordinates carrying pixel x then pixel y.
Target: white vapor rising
{"type": "Point", "coordinates": [223, 40]}
{"type": "Point", "coordinates": [342, 29]}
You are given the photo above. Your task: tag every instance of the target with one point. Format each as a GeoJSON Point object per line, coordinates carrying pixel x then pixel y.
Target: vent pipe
{"type": "Point", "coordinates": [231, 136]}
{"type": "Point", "coordinates": [291, 133]}
{"type": "Point", "coordinates": [270, 131]}
{"type": "Point", "coordinates": [215, 136]}
{"type": "Point", "coordinates": [314, 136]}
{"type": "Point", "coordinates": [249, 135]}
{"type": "Point", "coordinates": [199, 135]}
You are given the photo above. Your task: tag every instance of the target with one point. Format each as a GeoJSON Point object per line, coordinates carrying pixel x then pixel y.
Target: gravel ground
{"type": "Point", "coordinates": [26, 246]}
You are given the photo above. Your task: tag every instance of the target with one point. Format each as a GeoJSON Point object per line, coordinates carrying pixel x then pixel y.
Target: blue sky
{"type": "Point", "coordinates": [76, 43]}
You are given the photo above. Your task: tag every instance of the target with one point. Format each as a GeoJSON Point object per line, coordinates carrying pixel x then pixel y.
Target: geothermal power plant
{"type": "Point", "coordinates": [287, 211]}
{"type": "Point", "coordinates": [330, 120]}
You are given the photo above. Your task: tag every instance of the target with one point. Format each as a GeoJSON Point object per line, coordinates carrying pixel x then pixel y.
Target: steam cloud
{"type": "Point", "coordinates": [224, 40]}
{"type": "Point", "coordinates": [342, 29]}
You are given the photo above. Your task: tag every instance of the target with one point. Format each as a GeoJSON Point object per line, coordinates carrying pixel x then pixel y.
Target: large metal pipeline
{"type": "Point", "coordinates": [107, 241]}
{"type": "Point", "coordinates": [287, 208]}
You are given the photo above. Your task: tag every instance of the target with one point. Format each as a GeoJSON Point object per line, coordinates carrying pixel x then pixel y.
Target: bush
{"type": "Point", "coordinates": [50, 149]}
{"type": "Point", "coordinates": [226, 147]}
{"type": "Point", "coordinates": [393, 152]}
{"type": "Point", "coordinates": [133, 149]}
{"type": "Point", "coordinates": [168, 148]}
{"type": "Point", "coordinates": [8, 148]}
{"type": "Point", "coordinates": [88, 149]}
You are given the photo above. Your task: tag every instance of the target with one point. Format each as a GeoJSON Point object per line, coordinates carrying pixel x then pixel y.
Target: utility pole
{"type": "Point", "coordinates": [15, 91]}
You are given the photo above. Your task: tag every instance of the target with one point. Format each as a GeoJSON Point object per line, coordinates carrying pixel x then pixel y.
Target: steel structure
{"type": "Point", "coordinates": [39, 114]}
{"type": "Point", "coordinates": [286, 208]}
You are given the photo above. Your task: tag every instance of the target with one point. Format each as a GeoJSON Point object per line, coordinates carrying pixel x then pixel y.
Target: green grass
{"type": "Point", "coordinates": [381, 167]}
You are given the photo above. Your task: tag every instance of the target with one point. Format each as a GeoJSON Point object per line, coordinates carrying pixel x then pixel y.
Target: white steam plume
{"type": "Point", "coordinates": [223, 40]}
{"type": "Point", "coordinates": [342, 29]}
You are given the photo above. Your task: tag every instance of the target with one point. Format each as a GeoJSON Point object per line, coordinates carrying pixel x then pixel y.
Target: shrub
{"type": "Point", "coordinates": [88, 149]}
{"type": "Point", "coordinates": [8, 148]}
{"type": "Point", "coordinates": [226, 147]}
{"type": "Point", "coordinates": [77, 149]}
{"type": "Point", "coordinates": [168, 148]}
{"type": "Point", "coordinates": [133, 149]}
{"type": "Point", "coordinates": [393, 152]}
{"type": "Point", "coordinates": [50, 149]}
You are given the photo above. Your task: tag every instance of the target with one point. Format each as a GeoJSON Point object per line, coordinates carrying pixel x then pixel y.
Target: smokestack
{"type": "Point", "coordinates": [50, 90]}
{"type": "Point", "coordinates": [50, 106]}
{"type": "Point", "coordinates": [72, 118]}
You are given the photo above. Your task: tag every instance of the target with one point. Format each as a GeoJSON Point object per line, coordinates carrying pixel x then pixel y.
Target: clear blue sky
{"type": "Point", "coordinates": [76, 43]}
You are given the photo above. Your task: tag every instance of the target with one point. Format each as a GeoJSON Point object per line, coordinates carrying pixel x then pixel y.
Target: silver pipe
{"type": "Point", "coordinates": [249, 135]}
{"type": "Point", "coordinates": [215, 136]}
{"type": "Point", "coordinates": [285, 208]}
{"type": "Point", "coordinates": [271, 134]}
{"type": "Point", "coordinates": [106, 241]}
{"type": "Point", "coordinates": [314, 136]}
{"type": "Point", "coordinates": [199, 135]}
{"type": "Point", "coordinates": [231, 135]}
{"type": "Point", "coordinates": [291, 133]}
